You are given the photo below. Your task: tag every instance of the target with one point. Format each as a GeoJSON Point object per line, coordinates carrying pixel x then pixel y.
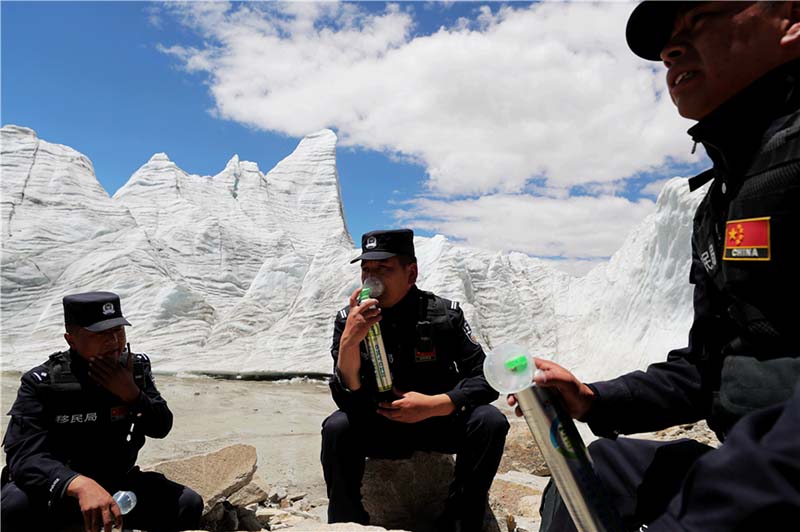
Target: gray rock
{"type": "Point", "coordinates": [255, 492]}
{"type": "Point", "coordinates": [277, 494]}
{"type": "Point", "coordinates": [269, 516]}
{"type": "Point", "coordinates": [215, 476]}
{"type": "Point", "coordinates": [247, 519]}
{"type": "Point", "coordinates": [222, 517]}
{"type": "Point", "coordinates": [297, 496]}
{"type": "Point", "coordinates": [408, 493]}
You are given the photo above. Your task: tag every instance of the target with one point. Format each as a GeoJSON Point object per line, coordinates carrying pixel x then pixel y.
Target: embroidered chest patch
{"type": "Point", "coordinates": [425, 356]}
{"type": "Point", "coordinates": [747, 239]}
{"type": "Point", "coordinates": [119, 412]}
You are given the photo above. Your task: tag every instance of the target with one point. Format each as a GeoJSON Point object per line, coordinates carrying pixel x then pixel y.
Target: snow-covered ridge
{"type": "Point", "coordinates": [244, 271]}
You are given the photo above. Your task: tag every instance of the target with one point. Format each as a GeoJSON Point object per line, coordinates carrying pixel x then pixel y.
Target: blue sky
{"type": "Point", "coordinates": [501, 126]}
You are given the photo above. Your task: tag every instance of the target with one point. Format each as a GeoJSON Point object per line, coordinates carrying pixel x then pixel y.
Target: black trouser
{"type": "Point", "coordinates": [162, 506]}
{"type": "Point", "coordinates": [477, 438]}
{"type": "Point", "coordinates": [640, 476]}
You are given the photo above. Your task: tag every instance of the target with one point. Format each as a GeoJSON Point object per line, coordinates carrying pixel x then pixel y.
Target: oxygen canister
{"type": "Point", "coordinates": [509, 370]}
{"type": "Point", "coordinates": [374, 341]}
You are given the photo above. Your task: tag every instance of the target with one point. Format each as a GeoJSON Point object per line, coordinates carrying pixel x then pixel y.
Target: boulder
{"type": "Point", "coordinates": [407, 493]}
{"type": "Point", "coordinates": [215, 476]}
{"type": "Point", "coordinates": [255, 492]}
{"type": "Point", "coordinates": [410, 493]}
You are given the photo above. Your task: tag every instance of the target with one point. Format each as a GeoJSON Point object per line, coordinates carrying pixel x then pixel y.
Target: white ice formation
{"type": "Point", "coordinates": [244, 271]}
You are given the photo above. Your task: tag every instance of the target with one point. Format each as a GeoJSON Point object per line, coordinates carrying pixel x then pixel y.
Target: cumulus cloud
{"type": "Point", "coordinates": [517, 107]}
{"type": "Point", "coordinates": [547, 92]}
{"type": "Point", "coordinates": [577, 227]}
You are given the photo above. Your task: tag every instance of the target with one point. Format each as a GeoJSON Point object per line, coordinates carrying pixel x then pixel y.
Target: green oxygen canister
{"type": "Point", "coordinates": [374, 341]}
{"type": "Point", "coordinates": [509, 370]}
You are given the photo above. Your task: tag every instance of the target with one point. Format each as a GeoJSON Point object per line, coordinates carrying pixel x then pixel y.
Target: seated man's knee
{"type": "Point", "coordinates": [489, 420]}
{"type": "Point", "coordinates": [600, 449]}
{"type": "Point", "coordinates": [335, 425]}
{"type": "Point", "coordinates": [335, 428]}
{"type": "Point", "coordinates": [15, 508]}
{"type": "Point", "coordinates": [191, 504]}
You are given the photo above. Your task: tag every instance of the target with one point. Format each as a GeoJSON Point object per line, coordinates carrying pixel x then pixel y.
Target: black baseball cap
{"type": "Point", "coordinates": [379, 245]}
{"type": "Point", "coordinates": [94, 311]}
{"type": "Point", "coordinates": [650, 26]}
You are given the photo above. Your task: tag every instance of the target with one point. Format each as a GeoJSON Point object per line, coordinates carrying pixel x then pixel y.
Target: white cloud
{"type": "Point", "coordinates": [547, 91]}
{"type": "Point", "coordinates": [578, 227]}
{"type": "Point", "coordinates": [517, 107]}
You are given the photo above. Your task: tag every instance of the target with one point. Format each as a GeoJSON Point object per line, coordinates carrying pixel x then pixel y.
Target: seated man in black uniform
{"type": "Point", "coordinates": [440, 401]}
{"type": "Point", "coordinates": [734, 67]}
{"type": "Point", "coordinates": [76, 429]}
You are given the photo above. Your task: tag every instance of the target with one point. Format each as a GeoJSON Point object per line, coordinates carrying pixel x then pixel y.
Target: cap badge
{"type": "Point", "coordinates": [108, 308]}
{"type": "Point", "coordinates": [371, 243]}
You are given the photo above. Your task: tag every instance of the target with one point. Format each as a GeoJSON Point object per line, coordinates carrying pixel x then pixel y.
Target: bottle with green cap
{"type": "Point", "coordinates": [374, 341]}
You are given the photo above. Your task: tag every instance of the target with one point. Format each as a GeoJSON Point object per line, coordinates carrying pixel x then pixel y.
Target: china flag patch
{"type": "Point", "coordinates": [747, 239]}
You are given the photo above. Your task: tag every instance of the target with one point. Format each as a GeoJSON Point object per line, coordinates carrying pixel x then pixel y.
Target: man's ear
{"type": "Point", "coordinates": [69, 339]}
{"type": "Point", "coordinates": [413, 271]}
{"type": "Point", "coordinates": [791, 36]}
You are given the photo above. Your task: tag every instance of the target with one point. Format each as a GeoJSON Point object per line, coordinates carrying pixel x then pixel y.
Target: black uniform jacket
{"type": "Point", "coordinates": [744, 342]}
{"type": "Point", "coordinates": [63, 424]}
{"type": "Point", "coordinates": [454, 367]}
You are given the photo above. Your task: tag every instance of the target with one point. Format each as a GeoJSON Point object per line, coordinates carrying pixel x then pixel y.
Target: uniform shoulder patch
{"type": "Point", "coordinates": [342, 314]}
{"type": "Point", "coordinates": [747, 239]}
{"type": "Point", "coordinates": [468, 332]}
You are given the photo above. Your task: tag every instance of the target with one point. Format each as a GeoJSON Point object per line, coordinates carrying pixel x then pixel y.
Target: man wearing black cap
{"type": "Point", "coordinates": [440, 400]}
{"type": "Point", "coordinates": [734, 67]}
{"type": "Point", "coordinates": [76, 428]}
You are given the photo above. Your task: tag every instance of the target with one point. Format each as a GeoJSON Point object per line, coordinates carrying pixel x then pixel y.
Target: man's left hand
{"type": "Point", "coordinates": [413, 407]}
{"type": "Point", "coordinates": [115, 377]}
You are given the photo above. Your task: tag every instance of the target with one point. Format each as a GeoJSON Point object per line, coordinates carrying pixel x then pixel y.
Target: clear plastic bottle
{"type": "Point", "coordinates": [126, 500]}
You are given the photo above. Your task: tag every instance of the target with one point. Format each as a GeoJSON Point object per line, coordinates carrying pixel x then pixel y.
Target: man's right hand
{"type": "Point", "coordinates": [577, 396]}
{"type": "Point", "coordinates": [362, 316]}
{"type": "Point", "coordinates": [100, 511]}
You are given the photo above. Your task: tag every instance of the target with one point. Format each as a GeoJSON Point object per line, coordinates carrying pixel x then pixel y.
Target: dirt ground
{"type": "Point", "coordinates": [281, 419]}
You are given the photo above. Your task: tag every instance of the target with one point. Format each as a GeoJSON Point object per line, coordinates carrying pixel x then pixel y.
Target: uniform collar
{"type": "Point", "coordinates": [405, 307]}
{"type": "Point", "coordinates": [733, 132]}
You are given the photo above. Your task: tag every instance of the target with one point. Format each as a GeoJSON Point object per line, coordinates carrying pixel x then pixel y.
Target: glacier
{"type": "Point", "coordinates": [244, 271]}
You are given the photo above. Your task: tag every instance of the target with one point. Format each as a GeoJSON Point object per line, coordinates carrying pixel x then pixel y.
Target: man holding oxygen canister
{"type": "Point", "coordinates": [734, 67]}
{"type": "Point", "coordinates": [439, 398]}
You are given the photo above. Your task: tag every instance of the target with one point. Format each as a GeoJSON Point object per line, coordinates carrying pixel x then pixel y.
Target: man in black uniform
{"type": "Point", "coordinates": [441, 397]}
{"type": "Point", "coordinates": [734, 67]}
{"type": "Point", "coordinates": [76, 429]}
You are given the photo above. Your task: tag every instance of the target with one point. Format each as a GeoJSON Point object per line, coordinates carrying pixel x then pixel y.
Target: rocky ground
{"type": "Point", "coordinates": [252, 450]}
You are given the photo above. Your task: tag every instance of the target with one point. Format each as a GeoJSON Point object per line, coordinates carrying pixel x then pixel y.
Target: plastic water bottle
{"type": "Point", "coordinates": [374, 340]}
{"type": "Point", "coordinates": [126, 500]}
